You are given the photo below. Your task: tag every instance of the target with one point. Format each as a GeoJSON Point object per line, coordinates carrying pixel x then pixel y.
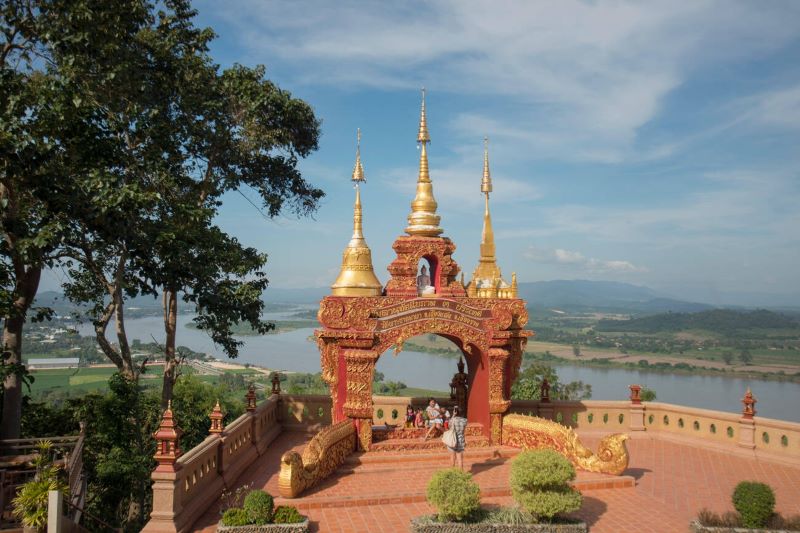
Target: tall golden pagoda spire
{"type": "Point", "coordinates": [487, 281]}
{"type": "Point", "coordinates": [357, 277]}
{"type": "Point", "coordinates": [423, 219]}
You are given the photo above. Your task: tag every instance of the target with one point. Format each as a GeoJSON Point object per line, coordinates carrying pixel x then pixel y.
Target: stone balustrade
{"type": "Point", "coordinates": [777, 439]}
{"type": "Point", "coordinates": [306, 412]}
{"type": "Point", "coordinates": [197, 478]}
{"type": "Point", "coordinates": [184, 489]}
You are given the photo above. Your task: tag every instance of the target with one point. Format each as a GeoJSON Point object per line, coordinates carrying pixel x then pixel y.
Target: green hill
{"type": "Point", "coordinates": [721, 321]}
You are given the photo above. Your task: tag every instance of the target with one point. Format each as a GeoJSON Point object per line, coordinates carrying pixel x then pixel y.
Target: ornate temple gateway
{"type": "Point", "coordinates": [362, 319]}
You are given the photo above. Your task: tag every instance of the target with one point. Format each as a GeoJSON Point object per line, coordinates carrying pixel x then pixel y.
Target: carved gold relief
{"type": "Point", "coordinates": [496, 422]}
{"type": "Point", "coordinates": [325, 452]}
{"type": "Point", "coordinates": [532, 432]}
{"type": "Point", "coordinates": [365, 434]}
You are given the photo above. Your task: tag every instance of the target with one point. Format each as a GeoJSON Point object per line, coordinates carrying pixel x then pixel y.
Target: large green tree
{"type": "Point", "coordinates": [120, 137]}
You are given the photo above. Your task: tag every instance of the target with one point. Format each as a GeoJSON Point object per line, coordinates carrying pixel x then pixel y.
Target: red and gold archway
{"type": "Point", "coordinates": [361, 319]}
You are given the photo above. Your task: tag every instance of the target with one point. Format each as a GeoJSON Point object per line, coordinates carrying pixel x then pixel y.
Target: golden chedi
{"type": "Point", "coordinates": [357, 277]}
{"type": "Point", "coordinates": [487, 281]}
{"type": "Point", "coordinates": [423, 220]}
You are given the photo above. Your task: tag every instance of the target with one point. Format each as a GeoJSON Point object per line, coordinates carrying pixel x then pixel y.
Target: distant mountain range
{"type": "Point", "coordinates": [584, 295]}
{"type": "Point", "coordinates": [569, 295]}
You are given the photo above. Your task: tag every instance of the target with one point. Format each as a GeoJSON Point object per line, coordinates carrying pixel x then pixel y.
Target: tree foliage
{"type": "Point", "coordinates": [120, 138]}
{"type": "Point", "coordinates": [528, 385]}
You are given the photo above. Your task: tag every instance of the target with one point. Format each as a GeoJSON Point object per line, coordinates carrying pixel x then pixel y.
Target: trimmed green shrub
{"type": "Point", "coordinates": [286, 514]}
{"type": "Point", "coordinates": [235, 516]}
{"type": "Point", "coordinates": [755, 502]}
{"type": "Point", "coordinates": [259, 506]}
{"type": "Point", "coordinates": [454, 495]}
{"type": "Point", "coordinates": [540, 483]}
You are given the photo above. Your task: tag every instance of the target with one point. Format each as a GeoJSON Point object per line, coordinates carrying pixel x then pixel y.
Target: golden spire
{"type": "Point", "coordinates": [423, 219]}
{"type": "Point", "coordinates": [486, 182]}
{"type": "Point", "coordinates": [357, 277]}
{"type": "Point", "coordinates": [486, 279]}
{"type": "Point", "coordinates": [358, 169]}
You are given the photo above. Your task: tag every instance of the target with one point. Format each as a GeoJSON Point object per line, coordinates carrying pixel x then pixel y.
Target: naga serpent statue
{"type": "Point", "coordinates": [323, 454]}
{"type": "Point", "coordinates": [531, 432]}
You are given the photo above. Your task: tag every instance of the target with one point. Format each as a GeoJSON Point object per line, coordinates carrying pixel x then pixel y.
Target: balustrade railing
{"type": "Point", "coordinates": [777, 439]}
{"type": "Point", "coordinates": [196, 479]}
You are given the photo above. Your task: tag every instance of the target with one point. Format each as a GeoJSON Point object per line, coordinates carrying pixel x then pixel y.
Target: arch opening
{"type": "Point", "coordinates": [435, 364]}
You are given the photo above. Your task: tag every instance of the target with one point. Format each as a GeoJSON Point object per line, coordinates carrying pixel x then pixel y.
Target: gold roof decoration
{"type": "Point", "coordinates": [487, 281]}
{"type": "Point", "coordinates": [357, 277]}
{"type": "Point", "coordinates": [358, 169]}
{"type": "Point", "coordinates": [423, 220]}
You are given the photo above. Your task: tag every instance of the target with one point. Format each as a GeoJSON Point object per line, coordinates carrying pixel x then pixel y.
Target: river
{"type": "Point", "coordinates": [292, 351]}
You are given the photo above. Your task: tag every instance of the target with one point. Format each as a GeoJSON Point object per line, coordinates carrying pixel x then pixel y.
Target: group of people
{"type": "Point", "coordinates": [437, 419]}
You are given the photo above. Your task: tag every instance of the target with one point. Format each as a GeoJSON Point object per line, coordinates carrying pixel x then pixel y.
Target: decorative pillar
{"type": "Point", "coordinates": [637, 409]}
{"type": "Point", "coordinates": [167, 447]}
{"type": "Point", "coordinates": [250, 398]}
{"type": "Point", "coordinates": [216, 420]}
{"type": "Point", "coordinates": [276, 383]}
{"type": "Point", "coordinates": [359, 368]}
{"type": "Point", "coordinates": [498, 403]}
{"type": "Point", "coordinates": [747, 424]}
{"type": "Point", "coordinates": [167, 504]}
{"type": "Point", "coordinates": [545, 409]}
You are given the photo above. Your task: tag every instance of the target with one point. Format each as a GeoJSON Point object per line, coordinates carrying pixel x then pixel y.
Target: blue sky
{"type": "Point", "coordinates": [652, 143]}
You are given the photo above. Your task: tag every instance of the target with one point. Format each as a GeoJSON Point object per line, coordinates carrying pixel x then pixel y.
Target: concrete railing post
{"type": "Point", "coordinates": [636, 413]}
{"type": "Point", "coordinates": [747, 424]}
{"type": "Point", "coordinates": [55, 509]}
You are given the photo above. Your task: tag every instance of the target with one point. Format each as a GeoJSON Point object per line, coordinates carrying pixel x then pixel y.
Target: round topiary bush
{"type": "Point", "coordinates": [286, 514]}
{"type": "Point", "coordinates": [755, 502]}
{"type": "Point", "coordinates": [540, 483]}
{"type": "Point", "coordinates": [454, 495]}
{"type": "Point", "coordinates": [235, 516]}
{"type": "Point", "coordinates": [259, 506]}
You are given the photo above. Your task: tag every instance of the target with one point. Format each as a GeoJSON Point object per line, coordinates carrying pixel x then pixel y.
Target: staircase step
{"type": "Point", "coordinates": [406, 456]}
{"type": "Point", "coordinates": [393, 445]}
{"type": "Point", "coordinates": [590, 482]}
{"type": "Point", "coordinates": [383, 433]}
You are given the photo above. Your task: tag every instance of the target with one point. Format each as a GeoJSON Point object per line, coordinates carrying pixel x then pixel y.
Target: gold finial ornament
{"type": "Point", "coordinates": [357, 277]}
{"type": "Point", "coordinates": [486, 182]}
{"type": "Point", "coordinates": [358, 169]}
{"type": "Point", "coordinates": [423, 220]}
{"type": "Point", "coordinates": [487, 281]}
{"type": "Point", "coordinates": [423, 136]}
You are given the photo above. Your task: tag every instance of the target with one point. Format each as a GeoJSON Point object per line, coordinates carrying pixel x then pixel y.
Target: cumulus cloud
{"type": "Point", "coordinates": [578, 260]}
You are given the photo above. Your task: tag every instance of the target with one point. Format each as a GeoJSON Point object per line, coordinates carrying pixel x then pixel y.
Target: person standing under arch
{"type": "Point", "coordinates": [459, 425]}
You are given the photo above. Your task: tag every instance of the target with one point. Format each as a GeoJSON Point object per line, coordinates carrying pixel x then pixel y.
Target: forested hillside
{"type": "Point", "coordinates": [721, 321]}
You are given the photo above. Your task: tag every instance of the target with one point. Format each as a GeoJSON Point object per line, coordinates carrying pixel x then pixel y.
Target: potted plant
{"type": "Point", "coordinates": [539, 483]}
{"type": "Point", "coordinates": [259, 515]}
{"type": "Point", "coordinates": [30, 503]}
{"type": "Point", "coordinates": [755, 512]}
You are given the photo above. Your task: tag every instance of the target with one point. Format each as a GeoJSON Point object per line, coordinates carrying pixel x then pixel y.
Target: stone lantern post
{"type": "Point", "coordinates": [747, 425]}
{"type": "Point", "coordinates": [637, 409]}
{"type": "Point", "coordinates": [167, 450]}
{"type": "Point", "coordinates": [216, 417]}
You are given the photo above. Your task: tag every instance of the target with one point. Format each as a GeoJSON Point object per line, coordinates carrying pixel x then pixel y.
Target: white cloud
{"type": "Point", "coordinates": [598, 71]}
{"type": "Point", "coordinates": [776, 108]}
{"type": "Point", "coordinates": [580, 261]}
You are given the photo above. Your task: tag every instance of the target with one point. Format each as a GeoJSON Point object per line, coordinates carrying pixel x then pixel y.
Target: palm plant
{"type": "Point", "coordinates": [30, 503]}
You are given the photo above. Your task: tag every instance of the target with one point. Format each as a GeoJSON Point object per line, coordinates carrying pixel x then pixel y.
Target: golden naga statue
{"type": "Point", "coordinates": [324, 454]}
{"type": "Point", "coordinates": [532, 432]}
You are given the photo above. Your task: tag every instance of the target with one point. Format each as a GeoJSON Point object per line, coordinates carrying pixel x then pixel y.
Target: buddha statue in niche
{"type": "Point", "coordinates": [424, 287]}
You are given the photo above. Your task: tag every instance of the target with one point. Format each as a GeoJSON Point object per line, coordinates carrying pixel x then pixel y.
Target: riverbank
{"type": "Point", "coordinates": [281, 326]}
{"type": "Point", "coordinates": [565, 355]}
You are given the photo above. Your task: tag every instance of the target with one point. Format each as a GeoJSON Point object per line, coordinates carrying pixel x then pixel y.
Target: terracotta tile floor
{"type": "Point", "coordinates": [673, 482]}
